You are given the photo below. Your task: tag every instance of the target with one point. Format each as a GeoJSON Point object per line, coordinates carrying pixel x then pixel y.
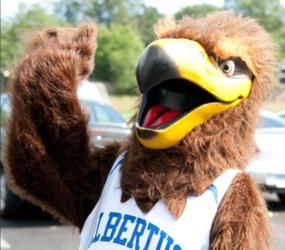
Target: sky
{"type": "Point", "coordinates": [167, 7]}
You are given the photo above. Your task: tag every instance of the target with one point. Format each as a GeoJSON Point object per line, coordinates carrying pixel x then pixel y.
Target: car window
{"type": "Point", "coordinates": [101, 113]}
{"type": "Point", "coordinates": [268, 122]}
{"type": "Point", "coordinates": [97, 113]}
{"type": "Point", "coordinates": [114, 115]}
{"type": "Point", "coordinates": [87, 109]}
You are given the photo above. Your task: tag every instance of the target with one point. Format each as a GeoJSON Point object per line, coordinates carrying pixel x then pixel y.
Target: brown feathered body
{"type": "Point", "coordinates": [50, 160]}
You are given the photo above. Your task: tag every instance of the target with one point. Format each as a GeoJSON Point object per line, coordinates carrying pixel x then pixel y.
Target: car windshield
{"type": "Point", "coordinates": [270, 122]}
{"type": "Point", "coordinates": [101, 113]}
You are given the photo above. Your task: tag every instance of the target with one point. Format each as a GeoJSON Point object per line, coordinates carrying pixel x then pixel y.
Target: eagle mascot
{"type": "Point", "coordinates": [179, 182]}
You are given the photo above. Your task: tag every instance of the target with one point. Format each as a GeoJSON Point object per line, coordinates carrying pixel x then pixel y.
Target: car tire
{"type": "Point", "coordinates": [281, 198]}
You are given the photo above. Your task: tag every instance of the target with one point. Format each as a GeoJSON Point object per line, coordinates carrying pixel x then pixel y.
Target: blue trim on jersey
{"type": "Point", "coordinates": [214, 190]}
{"type": "Point", "coordinates": [116, 165]}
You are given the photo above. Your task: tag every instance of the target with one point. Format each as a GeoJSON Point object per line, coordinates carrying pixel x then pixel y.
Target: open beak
{"type": "Point", "coordinates": [182, 87]}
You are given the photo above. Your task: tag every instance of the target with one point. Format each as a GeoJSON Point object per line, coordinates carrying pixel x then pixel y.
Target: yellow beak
{"type": "Point", "coordinates": [167, 59]}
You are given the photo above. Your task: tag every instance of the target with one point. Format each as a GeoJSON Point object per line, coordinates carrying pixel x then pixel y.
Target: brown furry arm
{"type": "Point", "coordinates": [48, 157]}
{"type": "Point", "coordinates": [241, 222]}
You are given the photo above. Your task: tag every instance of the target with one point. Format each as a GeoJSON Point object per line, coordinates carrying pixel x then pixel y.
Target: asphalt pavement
{"type": "Point", "coordinates": [47, 234]}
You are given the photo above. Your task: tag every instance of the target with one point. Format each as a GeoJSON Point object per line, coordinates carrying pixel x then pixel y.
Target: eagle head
{"type": "Point", "coordinates": [199, 69]}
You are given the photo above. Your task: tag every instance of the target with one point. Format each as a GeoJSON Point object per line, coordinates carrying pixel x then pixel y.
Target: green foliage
{"type": "Point", "coordinates": [125, 26]}
{"type": "Point", "coordinates": [132, 13]}
{"type": "Point", "coordinates": [270, 14]}
{"type": "Point", "coordinates": [112, 11]}
{"type": "Point", "coordinates": [72, 11]}
{"type": "Point", "coordinates": [196, 11]}
{"type": "Point", "coordinates": [145, 21]}
{"type": "Point", "coordinates": [119, 44]}
{"type": "Point", "coordinates": [102, 11]}
{"type": "Point", "coordinates": [118, 49]}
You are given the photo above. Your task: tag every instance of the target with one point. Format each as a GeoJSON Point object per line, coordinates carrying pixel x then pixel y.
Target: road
{"type": "Point", "coordinates": [34, 234]}
{"type": "Point", "coordinates": [277, 218]}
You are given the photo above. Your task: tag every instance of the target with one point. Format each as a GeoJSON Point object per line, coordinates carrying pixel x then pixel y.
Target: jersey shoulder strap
{"type": "Point", "coordinates": [220, 186]}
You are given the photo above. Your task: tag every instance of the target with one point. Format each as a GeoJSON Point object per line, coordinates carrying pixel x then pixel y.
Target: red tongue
{"type": "Point", "coordinates": [159, 115]}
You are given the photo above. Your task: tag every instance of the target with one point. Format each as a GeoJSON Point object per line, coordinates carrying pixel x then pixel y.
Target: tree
{"type": "Point", "coordinates": [112, 11]}
{"type": "Point", "coordinates": [13, 31]}
{"type": "Point", "coordinates": [145, 21]}
{"type": "Point", "coordinates": [199, 10]}
{"type": "Point", "coordinates": [125, 26]}
{"type": "Point", "coordinates": [73, 11]}
{"type": "Point", "coordinates": [102, 11]}
{"type": "Point", "coordinates": [133, 13]}
{"type": "Point", "coordinates": [118, 49]}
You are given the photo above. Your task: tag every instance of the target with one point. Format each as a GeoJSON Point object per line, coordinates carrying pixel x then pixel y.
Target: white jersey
{"type": "Point", "coordinates": [113, 225]}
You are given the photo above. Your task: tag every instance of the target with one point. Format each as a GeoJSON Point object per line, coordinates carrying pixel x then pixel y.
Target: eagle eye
{"type": "Point", "coordinates": [228, 67]}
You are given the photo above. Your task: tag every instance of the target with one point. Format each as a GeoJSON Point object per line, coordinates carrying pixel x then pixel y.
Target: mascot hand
{"type": "Point", "coordinates": [73, 46]}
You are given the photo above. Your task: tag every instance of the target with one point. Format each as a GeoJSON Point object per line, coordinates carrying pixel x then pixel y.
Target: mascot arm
{"type": "Point", "coordinates": [49, 159]}
{"type": "Point", "coordinates": [241, 221]}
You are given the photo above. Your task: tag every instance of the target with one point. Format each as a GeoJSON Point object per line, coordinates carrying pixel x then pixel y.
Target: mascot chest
{"type": "Point", "coordinates": [116, 225]}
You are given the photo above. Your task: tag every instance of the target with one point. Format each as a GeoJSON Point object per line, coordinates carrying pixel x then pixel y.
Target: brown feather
{"type": "Point", "coordinates": [241, 222]}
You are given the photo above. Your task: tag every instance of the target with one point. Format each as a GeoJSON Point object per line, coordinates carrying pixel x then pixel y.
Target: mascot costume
{"type": "Point", "coordinates": [179, 180]}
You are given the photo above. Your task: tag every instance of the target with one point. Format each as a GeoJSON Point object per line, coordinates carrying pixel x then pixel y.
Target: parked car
{"type": "Point", "coordinates": [105, 125]}
{"type": "Point", "coordinates": [268, 166]}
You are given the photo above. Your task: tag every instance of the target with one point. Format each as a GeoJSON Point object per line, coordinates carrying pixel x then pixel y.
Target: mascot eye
{"type": "Point", "coordinates": [228, 67]}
